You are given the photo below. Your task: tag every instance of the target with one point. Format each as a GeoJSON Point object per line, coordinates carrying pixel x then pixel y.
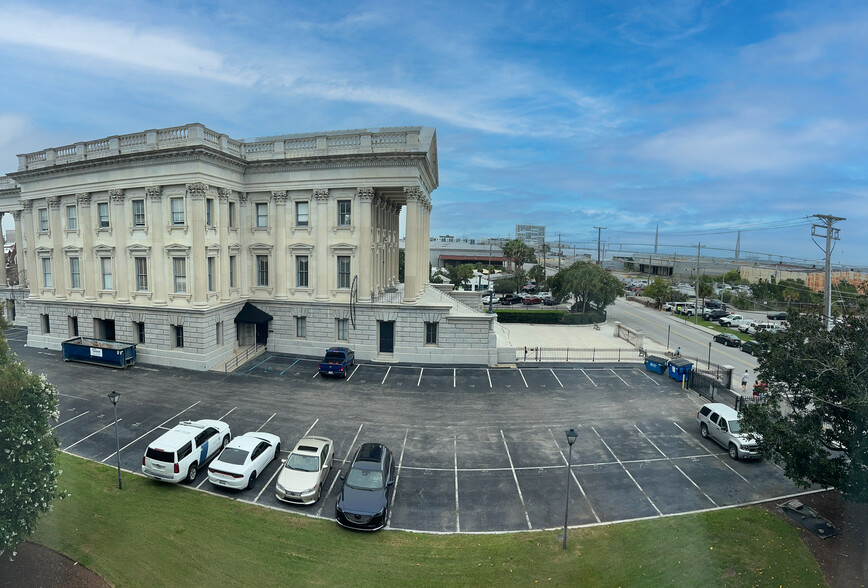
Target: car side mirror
{"type": "Point", "coordinates": [341, 476]}
{"type": "Point", "coordinates": [390, 482]}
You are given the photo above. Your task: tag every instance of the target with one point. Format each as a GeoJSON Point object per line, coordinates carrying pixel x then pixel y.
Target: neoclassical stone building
{"type": "Point", "coordinates": [192, 245]}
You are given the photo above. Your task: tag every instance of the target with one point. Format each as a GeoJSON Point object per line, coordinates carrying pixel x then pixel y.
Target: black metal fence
{"type": "Point", "coordinates": [707, 386]}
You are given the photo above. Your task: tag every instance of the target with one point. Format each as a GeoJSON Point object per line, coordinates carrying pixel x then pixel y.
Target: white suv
{"type": "Point", "coordinates": [179, 453]}
{"type": "Point", "coordinates": [720, 423]}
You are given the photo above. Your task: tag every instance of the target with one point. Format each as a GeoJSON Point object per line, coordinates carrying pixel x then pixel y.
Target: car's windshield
{"type": "Point", "coordinates": [365, 479]}
{"type": "Point", "coordinates": [234, 455]}
{"type": "Point", "coordinates": [302, 463]}
{"type": "Point", "coordinates": [734, 427]}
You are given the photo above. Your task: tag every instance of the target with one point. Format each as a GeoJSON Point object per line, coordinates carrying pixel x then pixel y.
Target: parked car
{"type": "Point", "coordinates": [716, 314]}
{"type": "Point", "coordinates": [719, 423]}
{"type": "Point", "coordinates": [364, 499]}
{"type": "Point", "coordinates": [728, 320]}
{"type": "Point", "coordinates": [306, 469]}
{"type": "Point", "coordinates": [714, 303]}
{"type": "Point", "coordinates": [531, 299]}
{"type": "Point", "coordinates": [727, 339]}
{"type": "Point", "coordinates": [670, 306]}
{"type": "Point", "coordinates": [337, 362]}
{"type": "Point", "coordinates": [243, 459]}
{"type": "Point", "coordinates": [549, 301]}
{"type": "Point", "coordinates": [777, 316]}
{"type": "Point", "coordinates": [692, 310]}
{"type": "Point", "coordinates": [746, 324]}
{"type": "Point", "coordinates": [752, 347]}
{"type": "Point", "coordinates": [508, 299]}
{"type": "Point", "coordinates": [178, 453]}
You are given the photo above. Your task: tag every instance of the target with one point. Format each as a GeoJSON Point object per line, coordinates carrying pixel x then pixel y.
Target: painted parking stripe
{"type": "Point", "coordinates": [455, 461]}
{"type": "Point", "coordinates": [522, 377]}
{"type": "Point", "coordinates": [556, 377]}
{"type": "Point", "coordinates": [488, 373]}
{"type": "Point", "coordinates": [346, 457]}
{"type": "Point", "coordinates": [290, 367]}
{"type": "Point", "coordinates": [419, 381]}
{"type": "Point", "coordinates": [397, 476]}
{"type": "Point", "coordinates": [260, 363]}
{"type": "Point", "coordinates": [266, 422]}
{"type": "Point", "coordinates": [454, 377]}
{"type": "Point", "coordinates": [228, 413]}
{"type": "Point", "coordinates": [620, 378]}
{"type": "Point", "coordinates": [277, 471]}
{"type": "Point", "coordinates": [715, 456]}
{"type": "Point", "coordinates": [654, 445]}
{"type": "Point", "coordinates": [71, 396]}
{"type": "Point", "coordinates": [589, 378]}
{"type": "Point", "coordinates": [92, 434]}
{"type": "Point", "coordinates": [151, 431]}
{"type": "Point", "coordinates": [387, 375]}
{"type": "Point", "coordinates": [515, 477]}
{"type": "Point", "coordinates": [603, 441]}
{"type": "Point", "coordinates": [350, 377]}
{"type": "Point", "coordinates": [69, 420]}
{"type": "Point", "coordinates": [575, 479]}
{"type": "Point", "coordinates": [656, 383]}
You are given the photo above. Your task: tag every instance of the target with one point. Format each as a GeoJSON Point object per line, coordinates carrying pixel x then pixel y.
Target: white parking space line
{"type": "Point", "coordinates": [715, 456]}
{"type": "Point", "coordinates": [515, 477]}
{"type": "Point", "coordinates": [314, 376]}
{"type": "Point", "coordinates": [71, 396]}
{"type": "Point", "coordinates": [387, 375]}
{"type": "Point", "coordinates": [455, 458]}
{"type": "Point", "coordinates": [556, 377]}
{"type": "Point", "coordinates": [454, 377]}
{"type": "Point", "coordinates": [522, 378]}
{"type": "Point", "coordinates": [589, 378]}
{"type": "Point", "coordinates": [69, 420]}
{"type": "Point", "coordinates": [306, 433]}
{"type": "Point", "coordinates": [620, 378]}
{"type": "Point", "coordinates": [654, 445]}
{"type": "Point", "coordinates": [266, 422]}
{"type": "Point", "coordinates": [656, 383]}
{"type": "Point", "coordinates": [346, 457]}
{"type": "Point", "coordinates": [91, 435]}
{"type": "Point", "coordinates": [419, 381]}
{"type": "Point", "coordinates": [488, 373]}
{"type": "Point", "coordinates": [227, 414]}
{"type": "Point", "coordinates": [575, 479]}
{"type": "Point", "coordinates": [350, 377]}
{"type": "Point", "coordinates": [397, 476]}
{"type": "Point", "coordinates": [270, 480]}
{"type": "Point", "coordinates": [152, 430]}
{"type": "Point", "coordinates": [626, 471]}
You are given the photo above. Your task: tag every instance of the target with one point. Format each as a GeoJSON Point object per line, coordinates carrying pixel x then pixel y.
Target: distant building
{"type": "Point", "coordinates": [533, 235]}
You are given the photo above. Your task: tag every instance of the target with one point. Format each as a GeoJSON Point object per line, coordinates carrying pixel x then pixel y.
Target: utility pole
{"type": "Point", "coordinates": [598, 243]}
{"type": "Point", "coordinates": [656, 237]}
{"type": "Point", "coordinates": [737, 244]}
{"type": "Point", "coordinates": [696, 287]}
{"type": "Point", "coordinates": [559, 252]}
{"type": "Point", "coordinates": [830, 233]}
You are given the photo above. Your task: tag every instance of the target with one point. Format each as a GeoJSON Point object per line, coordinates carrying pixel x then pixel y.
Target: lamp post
{"type": "Point", "coordinates": [114, 399]}
{"type": "Point", "coordinates": [571, 438]}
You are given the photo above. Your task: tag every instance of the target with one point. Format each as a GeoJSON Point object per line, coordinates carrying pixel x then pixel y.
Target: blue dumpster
{"type": "Point", "coordinates": [679, 369]}
{"type": "Point", "coordinates": [655, 364]}
{"type": "Point", "coordinates": [99, 351]}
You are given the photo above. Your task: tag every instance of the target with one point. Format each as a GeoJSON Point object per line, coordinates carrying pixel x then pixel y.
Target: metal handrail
{"type": "Point", "coordinates": [240, 358]}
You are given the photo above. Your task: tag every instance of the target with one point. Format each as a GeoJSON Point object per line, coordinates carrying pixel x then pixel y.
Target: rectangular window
{"type": "Point", "coordinates": [345, 217]}
{"type": "Point", "coordinates": [209, 212]}
{"type": "Point", "coordinates": [301, 327]}
{"type": "Point", "coordinates": [42, 213]}
{"type": "Point", "coordinates": [177, 205]}
{"type": "Point", "coordinates": [343, 329]}
{"type": "Point", "coordinates": [142, 274]}
{"type": "Point", "coordinates": [210, 274]}
{"type": "Point", "coordinates": [46, 273]}
{"type": "Point", "coordinates": [46, 323]}
{"type": "Point", "coordinates": [74, 272]}
{"type": "Point", "coordinates": [72, 218]}
{"type": "Point", "coordinates": [261, 214]}
{"type": "Point", "coordinates": [301, 271]}
{"type": "Point", "coordinates": [178, 335]}
{"type": "Point", "coordinates": [139, 329]}
{"type": "Point", "coordinates": [105, 266]}
{"type": "Point", "coordinates": [261, 270]}
{"type": "Point", "coordinates": [431, 333]}
{"type": "Point", "coordinates": [138, 213]}
{"type": "Point", "coordinates": [301, 213]}
{"type": "Point", "coordinates": [179, 272]}
{"type": "Point", "coordinates": [231, 271]}
{"type": "Point", "coordinates": [219, 333]}
{"type": "Point", "coordinates": [343, 271]}
{"type": "Point", "coordinates": [231, 215]}
{"type": "Point", "coordinates": [102, 213]}
{"type": "Point", "coordinates": [72, 326]}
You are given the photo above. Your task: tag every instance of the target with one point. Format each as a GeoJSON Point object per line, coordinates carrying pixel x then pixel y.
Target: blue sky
{"type": "Point", "coordinates": [701, 118]}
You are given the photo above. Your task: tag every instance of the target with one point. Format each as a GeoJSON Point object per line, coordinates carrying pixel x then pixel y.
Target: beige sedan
{"type": "Point", "coordinates": [305, 471]}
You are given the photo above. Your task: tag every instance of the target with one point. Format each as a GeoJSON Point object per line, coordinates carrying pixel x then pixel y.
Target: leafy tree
{"type": "Point", "coordinates": [732, 277]}
{"type": "Point", "coordinates": [587, 282]}
{"type": "Point", "coordinates": [460, 275]}
{"type": "Point", "coordinates": [505, 286]}
{"type": "Point", "coordinates": [519, 254]}
{"type": "Point", "coordinates": [705, 288]}
{"type": "Point", "coordinates": [538, 274]}
{"type": "Point", "coordinates": [659, 290]}
{"type": "Point", "coordinates": [629, 265]}
{"type": "Point", "coordinates": [28, 476]}
{"type": "Point", "coordinates": [815, 412]}
{"type": "Point", "coordinates": [401, 264]}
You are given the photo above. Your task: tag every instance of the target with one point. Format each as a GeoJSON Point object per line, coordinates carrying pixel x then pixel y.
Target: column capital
{"type": "Point", "coordinates": [242, 198]}
{"type": "Point", "coordinates": [154, 192]}
{"type": "Point", "coordinates": [279, 196]}
{"type": "Point", "coordinates": [16, 216]}
{"type": "Point", "coordinates": [365, 193]}
{"type": "Point", "coordinates": [223, 194]}
{"type": "Point", "coordinates": [321, 194]}
{"type": "Point", "coordinates": [197, 190]}
{"type": "Point", "coordinates": [413, 193]}
{"type": "Point", "coordinates": [83, 198]}
{"type": "Point", "coordinates": [117, 195]}
{"type": "Point", "coordinates": [53, 202]}
{"type": "Point", "coordinates": [26, 205]}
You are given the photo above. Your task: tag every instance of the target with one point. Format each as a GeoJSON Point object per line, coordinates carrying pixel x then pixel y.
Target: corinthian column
{"type": "Point", "coordinates": [119, 231]}
{"type": "Point", "coordinates": [411, 252]}
{"type": "Point", "coordinates": [279, 197]}
{"type": "Point", "coordinates": [197, 226]}
{"type": "Point", "coordinates": [57, 242]}
{"type": "Point", "coordinates": [223, 262]}
{"type": "Point", "coordinates": [88, 263]}
{"type": "Point", "coordinates": [321, 287]}
{"type": "Point", "coordinates": [3, 278]}
{"type": "Point", "coordinates": [366, 265]}
{"type": "Point", "coordinates": [157, 230]}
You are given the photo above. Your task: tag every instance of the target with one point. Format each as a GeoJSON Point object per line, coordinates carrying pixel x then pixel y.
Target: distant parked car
{"type": "Point", "coordinates": [716, 314]}
{"type": "Point", "coordinates": [531, 299]}
{"type": "Point", "coordinates": [719, 423]}
{"type": "Point", "coordinates": [243, 459]}
{"type": "Point", "coordinates": [777, 316]}
{"type": "Point", "coordinates": [747, 324]}
{"type": "Point", "coordinates": [727, 339]}
{"type": "Point", "coordinates": [549, 301]}
{"type": "Point", "coordinates": [752, 347]}
{"type": "Point", "coordinates": [731, 320]}
{"type": "Point", "coordinates": [508, 299]}
{"type": "Point", "coordinates": [178, 453]}
{"type": "Point", "coordinates": [337, 362]}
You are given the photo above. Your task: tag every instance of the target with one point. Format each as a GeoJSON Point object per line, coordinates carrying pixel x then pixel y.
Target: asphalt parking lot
{"type": "Point", "coordinates": [478, 450]}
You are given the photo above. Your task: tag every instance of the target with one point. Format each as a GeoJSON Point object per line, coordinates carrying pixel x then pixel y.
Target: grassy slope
{"type": "Point", "coordinates": [157, 534]}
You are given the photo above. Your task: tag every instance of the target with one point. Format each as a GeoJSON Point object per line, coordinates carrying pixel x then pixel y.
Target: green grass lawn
{"type": "Point", "coordinates": [151, 534]}
{"type": "Point", "coordinates": [715, 326]}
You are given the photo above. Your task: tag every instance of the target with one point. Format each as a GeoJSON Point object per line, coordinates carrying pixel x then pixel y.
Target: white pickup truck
{"type": "Point", "coordinates": [732, 320]}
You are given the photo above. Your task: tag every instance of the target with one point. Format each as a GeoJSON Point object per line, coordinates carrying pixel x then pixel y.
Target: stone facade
{"type": "Point", "coordinates": [161, 237]}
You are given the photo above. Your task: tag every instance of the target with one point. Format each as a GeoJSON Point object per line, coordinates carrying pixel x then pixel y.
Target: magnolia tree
{"type": "Point", "coordinates": [28, 446]}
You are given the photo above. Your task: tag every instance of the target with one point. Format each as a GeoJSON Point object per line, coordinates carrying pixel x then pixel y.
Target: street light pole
{"type": "Point", "coordinates": [114, 400]}
{"type": "Point", "coordinates": [571, 438]}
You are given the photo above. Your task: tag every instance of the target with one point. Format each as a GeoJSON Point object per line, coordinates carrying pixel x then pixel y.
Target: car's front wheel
{"type": "Point", "coordinates": [703, 430]}
{"type": "Point", "coordinates": [225, 441]}
{"type": "Point", "coordinates": [251, 481]}
{"type": "Point", "coordinates": [733, 451]}
{"type": "Point", "coordinates": [191, 472]}
{"type": "Point", "coordinates": [276, 451]}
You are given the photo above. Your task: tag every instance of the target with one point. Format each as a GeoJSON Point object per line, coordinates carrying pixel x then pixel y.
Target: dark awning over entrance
{"type": "Point", "coordinates": [251, 314]}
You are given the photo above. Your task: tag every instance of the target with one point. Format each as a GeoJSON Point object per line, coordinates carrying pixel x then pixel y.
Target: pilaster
{"type": "Point", "coordinates": [321, 196]}
{"type": "Point", "coordinates": [122, 286]}
{"type": "Point", "coordinates": [158, 277]}
{"type": "Point", "coordinates": [280, 281]}
{"type": "Point", "coordinates": [223, 262]}
{"type": "Point", "coordinates": [198, 255]}
{"type": "Point", "coordinates": [365, 196]}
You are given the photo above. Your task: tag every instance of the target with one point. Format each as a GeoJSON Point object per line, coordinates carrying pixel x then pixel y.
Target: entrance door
{"type": "Point", "coordinates": [387, 336]}
{"type": "Point", "coordinates": [262, 333]}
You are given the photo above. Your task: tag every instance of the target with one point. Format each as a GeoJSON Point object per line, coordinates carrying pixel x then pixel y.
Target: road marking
{"type": "Point", "coordinates": [455, 457]}
{"type": "Point", "coordinates": [656, 383]}
{"type": "Point", "coordinates": [260, 363]}
{"type": "Point", "coordinates": [488, 373]}
{"type": "Point", "coordinates": [350, 377]}
{"type": "Point", "coordinates": [454, 377]}
{"type": "Point", "coordinates": [419, 381]}
{"type": "Point", "coordinates": [152, 430]}
{"type": "Point", "coordinates": [290, 367]}
{"type": "Point", "coordinates": [522, 378]}
{"type": "Point", "coordinates": [515, 477]}
{"type": "Point", "coordinates": [589, 378]}
{"type": "Point", "coordinates": [627, 471]}
{"type": "Point", "coordinates": [654, 445]}
{"type": "Point", "coordinates": [270, 480]}
{"type": "Point", "coordinates": [227, 414]}
{"type": "Point", "coordinates": [575, 479]}
{"type": "Point", "coordinates": [68, 420]}
{"type": "Point", "coordinates": [556, 377]}
{"type": "Point", "coordinates": [337, 474]}
{"type": "Point", "coordinates": [309, 429]}
{"type": "Point", "coordinates": [71, 396]}
{"type": "Point", "coordinates": [91, 435]}
{"type": "Point", "coordinates": [387, 375]}
{"type": "Point", "coordinates": [620, 378]}
{"type": "Point", "coordinates": [266, 422]}
{"type": "Point", "coordinates": [715, 456]}
{"type": "Point", "coordinates": [397, 476]}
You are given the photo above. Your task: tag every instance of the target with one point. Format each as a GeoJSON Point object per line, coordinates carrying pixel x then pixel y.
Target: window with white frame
{"type": "Point", "coordinates": [179, 275]}
{"type": "Point", "coordinates": [74, 272]}
{"type": "Point", "coordinates": [261, 270]}
{"type": "Point", "coordinates": [46, 273]}
{"type": "Point", "coordinates": [105, 266]}
{"type": "Point", "coordinates": [301, 327]}
{"type": "Point", "coordinates": [231, 215]}
{"type": "Point", "coordinates": [345, 217]}
{"type": "Point", "coordinates": [72, 218]}
{"type": "Point", "coordinates": [102, 213]}
{"type": "Point", "coordinates": [343, 329]}
{"type": "Point", "coordinates": [302, 211]}
{"type": "Point", "coordinates": [42, 215]}
{"type": "Point", "coordinates": [141, 274]}
{"type": "Point", "coordinates": [232, 271]}
{"type": "Point", "coordinates": [209, 212]}
{"type": "Point", "coordinates": [261, 214]}
{"type": "Point", "coordinates": [343, 271]}
{"type": "Point", "coordinates": [210, 274]}
{"type": "Point", "coordinates": [177, 207]}
{"type": "Point", "coordinates": [301, 271]}
{"type": "Point", "coordinates": [431, 333]}
{"type": "Point", "coordinates": [138, 213]}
